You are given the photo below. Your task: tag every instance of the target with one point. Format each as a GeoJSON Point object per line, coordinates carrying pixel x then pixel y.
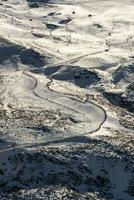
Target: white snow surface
{"type": "Point", "coordinates": [66, 99]}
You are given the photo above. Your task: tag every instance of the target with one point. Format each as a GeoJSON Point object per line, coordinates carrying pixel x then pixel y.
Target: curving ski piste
{"type": "Point", "coordinates": [66, 100]}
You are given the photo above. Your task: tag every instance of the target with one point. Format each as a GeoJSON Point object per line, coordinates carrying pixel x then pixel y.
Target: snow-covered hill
{"type": "Point", "coordinates": [66, 99]}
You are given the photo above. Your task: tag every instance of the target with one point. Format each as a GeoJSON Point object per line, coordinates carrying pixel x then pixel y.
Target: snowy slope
{"type": "Point", "coordinates": [66, 99]}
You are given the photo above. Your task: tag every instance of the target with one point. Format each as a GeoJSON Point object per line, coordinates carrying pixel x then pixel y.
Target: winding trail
{"type": "Point", "coordinates": [56, 140]}
{"type": "Point", "coordinates": [72, 97]}
{"type": "Point", "coordinates": [69, 106]}
{"type": "Point", "coordinates": [37, 95]}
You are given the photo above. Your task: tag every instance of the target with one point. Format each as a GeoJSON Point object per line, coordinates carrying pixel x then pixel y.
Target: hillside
{"type": "Point", "coordinates": [66, 100]}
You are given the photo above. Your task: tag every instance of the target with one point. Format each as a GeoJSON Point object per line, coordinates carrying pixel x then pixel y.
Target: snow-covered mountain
{"type": "Point", "coordinates": [66, 99]}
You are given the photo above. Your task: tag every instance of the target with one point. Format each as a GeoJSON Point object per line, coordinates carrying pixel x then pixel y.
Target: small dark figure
{"type": "Point", "coordinates": [108, 44]}
{"type": "Point", "coordinates": [107, 49]}
{"type": "Point", "coordinates": [90, 15]}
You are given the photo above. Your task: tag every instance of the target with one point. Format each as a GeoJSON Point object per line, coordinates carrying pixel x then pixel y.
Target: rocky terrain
{"type": "Point", "coordinates": [66, 100]}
